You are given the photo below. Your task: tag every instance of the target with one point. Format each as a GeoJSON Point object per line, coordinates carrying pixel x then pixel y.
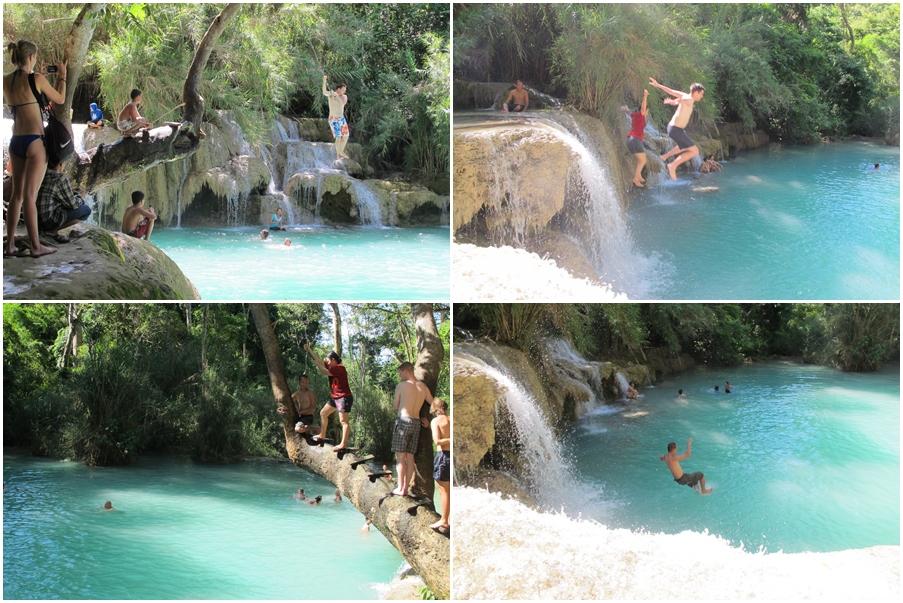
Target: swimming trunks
{"type": "Point", "coordinates": [125, 125]}
{"type": "Point", "coordinates": [339, 126]}
{"type": "Point", "coordinates": [141, 230]}
{"type": "Point", "coordinates": [405, 435]}
{"type": "Point", "coordinates": [442, 466]}
{"type": "Point", "coordinates": [342, 404]}
{"type": "Point", "coordinates": [689, 479]}
{"type": "Point", "coordinates": [515, 108]}
{"type": "Point", "coordinates": [635, 146]}
{"type": "Point", "coordinates": [679, 135]}
{"type": "Point", "coordinates": [18, 145]}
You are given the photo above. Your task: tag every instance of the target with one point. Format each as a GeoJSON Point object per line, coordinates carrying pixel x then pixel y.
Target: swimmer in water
{"type": "Point", "coordinates": [672, 459]}
{"type": "Point", "coordinates": [108, 506]}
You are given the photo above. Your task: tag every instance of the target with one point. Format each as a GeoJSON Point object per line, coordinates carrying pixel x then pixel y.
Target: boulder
{"type": "Point", "coordinates": [735, 137]}
{"type": "Point", "coordinates": [407, 204]}
{"type": "Point", "coordinates": [99, 265]}
{"type": "Point", "coordinates": [476, 394]}
{"type": "Point", "coordinates": [314, 129]}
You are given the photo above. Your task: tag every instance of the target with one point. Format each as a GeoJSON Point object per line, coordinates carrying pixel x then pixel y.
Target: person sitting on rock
{"type": "Point", "coordinates": [129, 120]}
{"type": "Point", "coordinates": [441, 429]}
{"type": "Point", "coordinates": [710, 165]}
{"type": "Point", "coordinates": [137, 221]}
{"type": "Point", "coordinates": [518, 99]}
{"type": "Point", "coordinates": [58, 205]}
{"type": "Point", "coordinates": [337, 123]}
{"type": "Point", "coordinates": [277, 219]}
{"type": "Point", "coordinates": [632, 393]}
{"type": "Point", "coordinates": [96, 120]}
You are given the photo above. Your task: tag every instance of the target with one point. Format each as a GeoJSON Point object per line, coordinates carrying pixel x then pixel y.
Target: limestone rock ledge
{"type": "Point", "coordinates": [99, 265]}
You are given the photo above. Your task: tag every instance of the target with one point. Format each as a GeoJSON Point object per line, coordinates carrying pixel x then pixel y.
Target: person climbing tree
{"type": "Point", "coordinates": [340, 398]}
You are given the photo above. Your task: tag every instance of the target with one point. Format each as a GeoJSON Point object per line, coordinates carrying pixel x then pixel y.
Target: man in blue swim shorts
{"type": "Point", "coordinates": [337, 122]}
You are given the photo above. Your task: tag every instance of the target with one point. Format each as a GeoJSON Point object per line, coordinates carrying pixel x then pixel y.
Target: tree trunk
{"type": "Point", "coordinates": [337, 328]}
{"type": "Point", "coordinates": [399, 519]}
{"type": "Point", "coordinates": [167, 143]}
{"type": "Point", "coordinates": [429, 361]}
{"type": "Point", "coordinates": [80, 36]}
{"type": "Point", "coordinates": [193, 112]}
{"type": "Point", "coordinates": [70, 348]}
{"type": "Point", "coordinates": [846, 24]}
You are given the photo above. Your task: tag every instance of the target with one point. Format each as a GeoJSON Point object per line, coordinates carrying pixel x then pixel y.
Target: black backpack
{"type": "Point", "coordinates": [57, 137]}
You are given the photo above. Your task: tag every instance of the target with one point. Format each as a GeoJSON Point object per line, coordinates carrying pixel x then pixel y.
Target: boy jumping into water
{"type": "Point", "coordinates": [337, 122]}
{"type": "Point", "coordinates": [672, 459]}
{"type": "Point", "coordinates": [685, 148]}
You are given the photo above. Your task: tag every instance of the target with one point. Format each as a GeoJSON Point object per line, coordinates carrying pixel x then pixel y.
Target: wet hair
{"type": "Point", "coordinates": [697, 87]}
{"type": "Point", "coordinates": [137, 197]}
{"type": "Point", "coordinates": [671, 446]}
{"type": "Point", "coordinates": [335, 356]}
{"type": "Point", "coordinates": [680, 392]}
{"type": "Point", "coordinates": [405, 366]}
{"type": "Point", "coordinates": [135, 93]}
{"type": "Point", "coordinates": [877, 165]}
{"type": "Point", "coordinates": [318, 499]}
{"type": "Point", "coordinates": [21, 51]}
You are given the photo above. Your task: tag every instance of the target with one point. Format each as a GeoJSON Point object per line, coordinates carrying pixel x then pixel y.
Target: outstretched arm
{"type": "Point", "coordinates": [325, 90]}
{"type": "Point", "coordinates": [644, 109]}
{"type": "Point", "coordinates": [689, 451]}
{"type": "Point", "coordinates": [56, 95]}
{"type": "Point", "coordinates": [318, 362]}
{"type": "Point", "coordinates": [665, 89]}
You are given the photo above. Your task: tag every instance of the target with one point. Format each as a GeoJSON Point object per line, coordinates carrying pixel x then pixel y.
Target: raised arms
{"type": "Point", "coordinates": [675, 93]}
{"type": "Point", "coordinates": [689, 451]}
{"type": "Point", "coordinates": [318, 362]}
{"type": "Point", "coordinates": [644, 108]}
{"type": "Point", "coordinates": [325, 89]}
{"type": "Point", "coordinates": [54, 94]}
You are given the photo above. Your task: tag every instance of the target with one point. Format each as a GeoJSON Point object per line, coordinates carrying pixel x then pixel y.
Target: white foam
{"type": "Point", "coordinates": [505, 550]}
{"type": "Point", "coordinates": [511, 274]}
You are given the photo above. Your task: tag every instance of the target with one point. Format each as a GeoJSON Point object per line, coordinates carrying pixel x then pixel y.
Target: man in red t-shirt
{"type": "Point", "coordinates": [340, 398]}
{"type": "Point", "coordinates": [635, 139]}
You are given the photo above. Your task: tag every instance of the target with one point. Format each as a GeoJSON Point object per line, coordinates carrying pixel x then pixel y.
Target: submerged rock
{"type": "Point", "coordinates": [99, 265]}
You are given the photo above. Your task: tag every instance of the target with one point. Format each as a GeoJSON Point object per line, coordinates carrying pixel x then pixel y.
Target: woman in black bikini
{"type": "Point", "coordinates": [29, 160]}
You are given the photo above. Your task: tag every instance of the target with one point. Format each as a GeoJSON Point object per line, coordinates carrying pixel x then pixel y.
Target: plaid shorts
{"type": "Point", "coordinates": [405, 435]}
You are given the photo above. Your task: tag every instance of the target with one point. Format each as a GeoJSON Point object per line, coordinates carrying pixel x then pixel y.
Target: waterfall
{"type": "Point", "coordinates": [623, 384]}
{"type": "Point", "coordinates": [367, 203]}
{"type": "Point", "coordinates": [543, 459]}
{"type": "Point", "coordinates": [281, 198]}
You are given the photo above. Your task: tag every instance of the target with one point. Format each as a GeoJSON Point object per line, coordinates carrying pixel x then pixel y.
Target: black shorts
{"type": "Point", "coordinates": [442, 466]}
{"type": "Point", "coordinates": [635, 145]}
{"type": "Point", "coordinates": [679, 135]}
{"type": "Point", "coordinates": [689, 479]}
{"type": "Point", "coordinates": [342, 404]}
{"type": "Point", "coordinates": [515, 108]}
{"type": "Point", "coordinates": [306, 419]}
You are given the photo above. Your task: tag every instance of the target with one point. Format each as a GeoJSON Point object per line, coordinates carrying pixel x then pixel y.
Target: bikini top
{"type": "Point", "coordinates": [34, 102]}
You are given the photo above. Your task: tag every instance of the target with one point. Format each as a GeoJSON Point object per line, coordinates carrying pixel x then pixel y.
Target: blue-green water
{"type": "Point", "coordinates": [182, 531]}
{"type": "Point", "coordinates": [801, 458]}
{"type": "Point", "coordinates": [352, 264]}
{"type": "Point", "coordinates": [811, 222]}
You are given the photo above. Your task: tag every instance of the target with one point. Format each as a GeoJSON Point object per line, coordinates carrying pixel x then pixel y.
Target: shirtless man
{"type": "Point", "coordinates": [129, 120]}
{"type": "Point", "coordinates": [685, 149]}
{"type": "Point", "coordinates": [137, 221]}
{"type": "Point", "coordinates": [337, 122]}
{"type": "Point", "coordinates": [340, 398]}
{"type": "Point", "coordinates": [305, 405]}
{"type": "Point", "coordinates": [410, 396]}
{"type": "Point", "coordinates": [672, 459]}
{"type": "Point", "coordinates": [441, 428]}
{"type": "Point", "coordinates": [518, 98]}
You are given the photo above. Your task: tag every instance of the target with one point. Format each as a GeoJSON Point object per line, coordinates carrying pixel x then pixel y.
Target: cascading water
{"type": "Point", "coordinates": [543, 458]}
{"type": "Point", "coordinates": [623, 384]}
{"type": "Point", "coordinates": [583, 375]}
{"type": "Point", "coordinates": [367, 204]}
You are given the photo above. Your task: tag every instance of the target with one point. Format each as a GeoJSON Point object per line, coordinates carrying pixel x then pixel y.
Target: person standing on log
{"type": "Point", "coordinates": [410, 396]}
{"type": "Point", "coordinates": [340, 398]}
{"type": "Point", "coordinates": [337, 121]}
{"type": "Point", "coordinates": [441, 428]}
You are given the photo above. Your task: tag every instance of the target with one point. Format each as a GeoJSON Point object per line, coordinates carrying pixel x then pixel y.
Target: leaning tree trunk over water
{"type": "Point", "coordinates": [429, 361]}
{"type": "Point", "coordinates": [404, 523]}
{"type": "Point", "coordinates": [80, 36]}
{"type": "Point", "coordinates": [337, 328]}
{"type": "Point", "coordinates": [166, 143]}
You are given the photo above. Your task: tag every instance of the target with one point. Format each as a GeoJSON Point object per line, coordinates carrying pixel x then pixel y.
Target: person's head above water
{"type": "Point", "coordinates": [680, 392]}
{"type": "Point", "coordinates": [108, 505]}
{"type": "Point", "coordinates": [333, 358]}
{"type": "Point", "coordinates": [672, 446]}
{"type": "Point", "coordinates": [716, 388]}
{"type": "Point", "coordinates": [877, 166]}
{"type": "Point", "coordinates": [406, 370]}
{"type": "Point", "coordinates": [264, 234]}
{"type": "Point", "coordinates": [137, 197]}
{"type": "Point", "coordinates": [135, 95]}
{"type": "Point", "coordinates": [287, 242]}
{"type": "Point", "coordinates": [697, 91]}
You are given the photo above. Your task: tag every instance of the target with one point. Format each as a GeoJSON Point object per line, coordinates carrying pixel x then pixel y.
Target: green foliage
{"type": "Point", "coordinates": [426, 594]}
{"type": "Point", "coordinates": [789, 69]}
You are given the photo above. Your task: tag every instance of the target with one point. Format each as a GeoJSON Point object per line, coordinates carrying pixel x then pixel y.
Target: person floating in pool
{"type": "Point", "coordinates": [137, 221]}
{"type": "Point", "coordinates": [337, 122]}
{"type": "Point", "coordinates": [727, 387]}
{"type": "Point", "coordinates": [299, 495]}
{"type": "Point", "coordinates": [338, 496]}
{"type": "Point", "coordinates": [264, 234]}
{"type": "Point", "coordinates": [287, 242]}
{"type": "Point", "coordinates": [315, 501]}
{"type": "Point", "coordinates": [681, 395]}
{"type": "Point", "coordinates": [635, 139]}
{"type": "Point", "coordinates": [108, 506]}
{"type": "Point", "coordinates": [277, 219]}
{"type": "Point", "coordinates": [693, 480]}
{"type": "Point", "coordinates": [410, 397]}
{"type": "Point", "coordinates": [685, 149]}
{"type": "Point", "coordinates": [340, 398]}
{"type": "Point", "coordinates": [877, 166]}
{"type": "Point", "coordinates": [518, 99]}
